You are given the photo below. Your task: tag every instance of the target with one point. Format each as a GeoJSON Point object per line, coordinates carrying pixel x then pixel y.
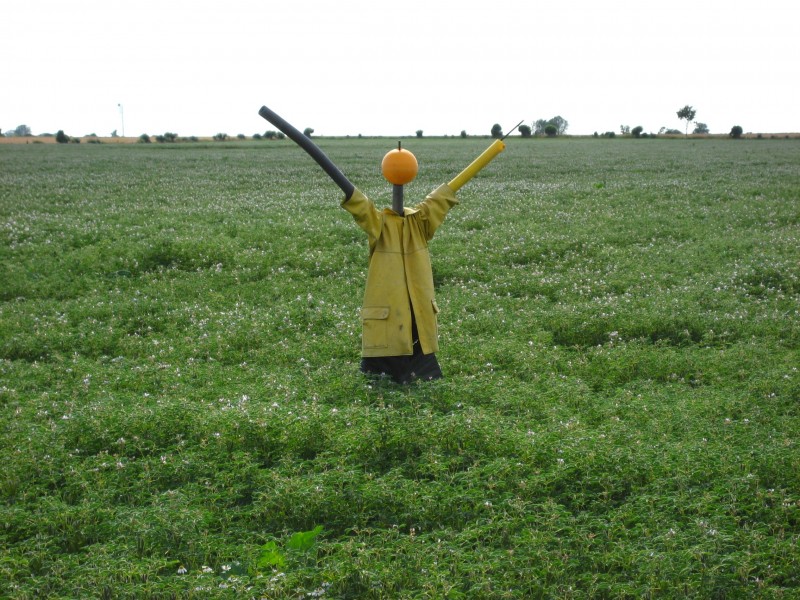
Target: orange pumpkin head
{"type": "Point", "coordinates": [399, 166]}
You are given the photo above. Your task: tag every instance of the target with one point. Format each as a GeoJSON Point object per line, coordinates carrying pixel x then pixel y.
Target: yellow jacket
{"type": "Point", "coordinates": [399, 277]}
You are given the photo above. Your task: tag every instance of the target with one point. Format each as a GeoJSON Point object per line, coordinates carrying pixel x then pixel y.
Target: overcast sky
{"type": "Point", "coordinates": [373, 67]}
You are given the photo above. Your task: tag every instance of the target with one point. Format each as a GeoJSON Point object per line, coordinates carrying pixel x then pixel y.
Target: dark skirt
{"type": "Point", "coordinates": [404, 369]}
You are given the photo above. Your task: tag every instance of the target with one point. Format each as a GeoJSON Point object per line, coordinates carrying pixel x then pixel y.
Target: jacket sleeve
{"type": "Point", "coordinates": [435, 207]}
{"type": "Point", "coordinates": [367, 217]}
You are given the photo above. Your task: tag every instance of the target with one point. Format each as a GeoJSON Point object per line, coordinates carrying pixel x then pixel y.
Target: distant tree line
{"type": "Point", "coordinates": [548, 127]}
{"type": "Point", "coordinates": [688, 114]}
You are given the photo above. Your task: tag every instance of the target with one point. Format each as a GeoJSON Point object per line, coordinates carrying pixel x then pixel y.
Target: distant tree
{"type": "Point", "coordinates": [281, 135]}
{"type": "Point", "coordinates": [114, 134]}
{"type": "Point", "coordinates": [22, 131]}
{"type": "Point", "coordinates": [551, 130]}
{"type": "Point", "coordinates": [463, 133]}
{"type": "Point", "coordinates": [561, 124]}
{"type": "Point", "coordinates": [241, 136]}
{"type": "Point", "coordinates": [625, 129]}
{"type": "Point", "coordinates": [220, 137]}
{"type": "Point", "coordinates": [525, 131]}
{"type": "Point", "coordinates": [497, 131]}
{"type": "Point", "coordinates": [61, 137]}
{"type": "Point", "coordinates": [270, 135]}
{"type": "Point", "coordinates": [736, 132]}
{"type": "Point", "coordinates": [308, 131]}
{"type": "Point", "coordinates": [256, 136]}
{"type": "Point", "coordinates": [700, 128]}
{"type": "Point", "coordinates": [688, 113]}
{"type": "Point", "coordinates": [539, 125]}
{"type": "Point", "coordinates": [419, 133]}
{"type": "Point", "coordinates": [637, 131]}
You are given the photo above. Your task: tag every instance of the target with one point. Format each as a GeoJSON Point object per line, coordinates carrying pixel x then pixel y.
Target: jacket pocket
{"type": "Point", "coordinates": [435, 317]}
{"type": "Point", "coordinates": [374, 320]}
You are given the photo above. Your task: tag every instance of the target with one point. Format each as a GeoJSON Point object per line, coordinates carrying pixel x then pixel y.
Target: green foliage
{"type": "Point", "coordinates": [181, 407]}
{"type": "Point", "coordinates": [419, 133]}
{"type": "Point", "coordinates": [550, 130]}
{"type": "Point", "coordinates": [61, 137]}
{"type": "Point", "coordinates": [497, 131]}
{"type": "Point", "coordinates": [700, 128]}
{"type": "Point", "coordinates": [637, 131]}
{"type": "Point", "coordinates": [560, 124]}
{"type": "Point", "coordinates": [736, 132]}
{"type": "Point", "coordinates": [525, 131]}
{"type": "Point", "coordinates": [170, 136]}
{"type": "Point", "coordinates": [688, 114]}
{"type": "Point", "coordinates": [220, 137]}
{"type": "Point", "coordinates": [303, 541]}
{"type": "Point", "coordinates": [308, 131]}
{"type": "Point", "coordinates": [270, 557]}
{"type": "Point", "coordinates": [143, 139]}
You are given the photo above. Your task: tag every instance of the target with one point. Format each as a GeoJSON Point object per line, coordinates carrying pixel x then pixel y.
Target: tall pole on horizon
{"type": "Point", "coordinates": [122, 118]}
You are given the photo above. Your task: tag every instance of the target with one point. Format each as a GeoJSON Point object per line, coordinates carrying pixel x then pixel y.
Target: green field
{"type": "Point", "coordinates": [182, 406]}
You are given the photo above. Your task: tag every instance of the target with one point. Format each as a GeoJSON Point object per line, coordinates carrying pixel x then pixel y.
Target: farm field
{"type": "Point", "coordinates": [182, 413]}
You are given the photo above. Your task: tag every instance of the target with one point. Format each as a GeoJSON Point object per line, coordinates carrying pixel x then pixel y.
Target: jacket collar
{"type": "Point", "coordinates": [407, 212]}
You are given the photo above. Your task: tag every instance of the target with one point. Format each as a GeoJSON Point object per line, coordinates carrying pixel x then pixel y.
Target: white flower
{"type": "Point", "coordinates": [181, 570]}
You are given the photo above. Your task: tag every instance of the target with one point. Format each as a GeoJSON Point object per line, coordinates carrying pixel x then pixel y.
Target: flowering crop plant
{"type": "Point", "coordinates": [182, 412]}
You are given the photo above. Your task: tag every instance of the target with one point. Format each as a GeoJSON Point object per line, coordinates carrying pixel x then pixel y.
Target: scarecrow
{"type": "Point", "coordinates": [399, 312]}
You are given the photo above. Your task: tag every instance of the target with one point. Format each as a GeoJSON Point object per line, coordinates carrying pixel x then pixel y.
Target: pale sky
{"type": "Point", "coordinates": [373, 67]}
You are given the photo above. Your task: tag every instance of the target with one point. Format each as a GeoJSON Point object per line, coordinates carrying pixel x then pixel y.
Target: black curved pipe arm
{"type": "Point", "coordinates": [313, 150]}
